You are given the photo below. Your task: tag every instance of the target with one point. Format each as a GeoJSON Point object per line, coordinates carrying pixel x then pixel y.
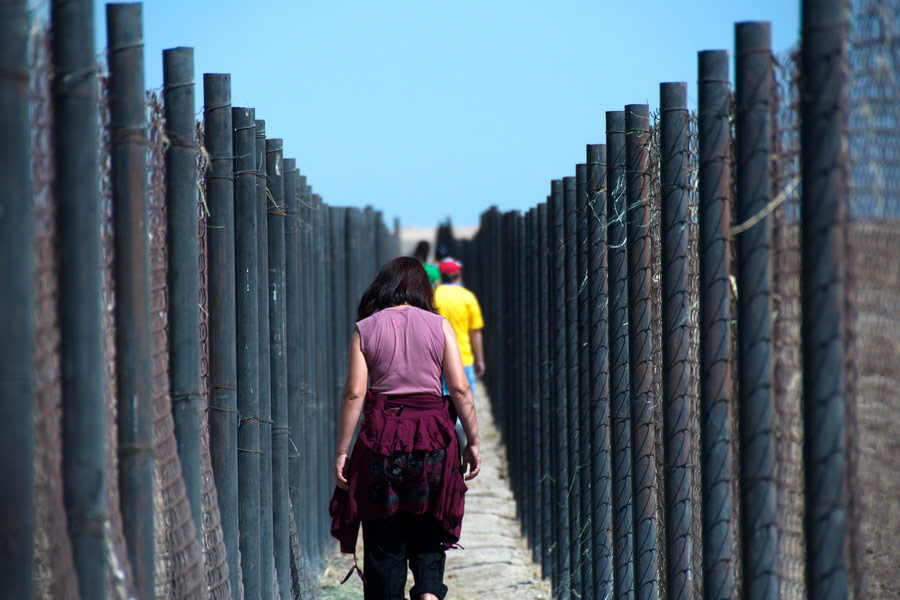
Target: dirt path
{"type": "Point", "coordinates": [496, 562]}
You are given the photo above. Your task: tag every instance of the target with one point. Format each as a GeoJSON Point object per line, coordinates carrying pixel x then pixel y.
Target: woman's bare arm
{"type": "Point", "coordinates": [351, 404]}
{"type": "Point", "coordinates": [461, 394]}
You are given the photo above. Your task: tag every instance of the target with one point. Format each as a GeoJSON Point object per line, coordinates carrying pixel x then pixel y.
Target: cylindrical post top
{"type": "Point", "coordinates": [178, 66]}
{"type": "Point", "coordinates": [556, 186]}
{"type": "Point", "coordinates": [637, 117]}
{"type": "Point", "coordinates": [568, 183]}
{"type": "Point", "coordinates": [580, 174]}
{"type": "Point", "coordinates": [123, 26]}
{"type": "Point", "coordinates": [260, 128]}
{"type": "Point", "coordinates": [615, 121]}
{"type": "Point", "coordinates": [713, 65]}
{"type": "Point", "coordinates": [246, 116]}
{"type": "Point", "coordinates": [753, 35]}
{"type": "Point", "coordinates": [290, 165]}
{"type": "Point", "coordinates": [274, 144]}
{"type": "Point", "coordinates": [673, 95]}
{"type": "Point", "coordinates": [596, 154]}
{"type": "Point", "coordinates": [216, 90]}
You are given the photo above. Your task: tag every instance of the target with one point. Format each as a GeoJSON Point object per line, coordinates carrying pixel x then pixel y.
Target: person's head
{"type": "Point", "coordinates": [423, 249]}
{"type": "Point", "coordinates": [450, 269]}
{"type": "Point", "coordinates": [401, 281]}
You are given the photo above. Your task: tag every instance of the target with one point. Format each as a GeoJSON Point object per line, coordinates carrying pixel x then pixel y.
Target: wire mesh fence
{"type": "Point", "coordinates": [749, 529]}
{"type": "Point", "coordinates": [192, 557]}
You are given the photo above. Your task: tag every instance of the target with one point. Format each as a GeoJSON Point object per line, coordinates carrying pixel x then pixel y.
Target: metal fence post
{"type": "Point", "coordinates": [544, 300]}
{"type": "Point", "coordinates": [619, 372]}
{"type": "Point", "coordinates": [716, 397]}
{"type": "Point", "coordinates": [322, 488]}
{"type": "Point", "coordinates": [17, 320]}
{"type": "Point", "coordinates": [293, 332]}
{"type": "Point", "coordinates": [519, 412]}
{"type": "Point", "coordinates": [78, 225]}
{"type": "Point", "coordinates": [559, 404]}
{"type": "Point", "coordinates": [305, 308]}
{"type": "Point", "coordinates": [533, 384]}
{"type": "Point", "coordinates": [753, 129]}
{"type": "Point", "coordinates": [185, 383]}
{"type": "Point", "coordinates": [278, 362]}
{"type": "Point", "coordinates": [572, 391]}
{"type": "Point", "coordinates": [247, 338]}
{"type": "Point", "coordinates": [134, 347]}
{"type": "Point", "coordinates": [637, 215]}
{"type": "Point", "coordinates": [676, 306]}
{"type": "Point", "coordinates": [266, 548]}
{"type": "Point", "coordinates": [601, 538]}
{"type": "Point", "coordinates": [824, 169]}
{"type": "Point", "coordinates": [222, 359]}
{"type": "Point", "coordinates": [583, 400]}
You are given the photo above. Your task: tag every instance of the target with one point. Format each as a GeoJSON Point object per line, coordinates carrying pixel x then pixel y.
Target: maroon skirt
{"type": "Point", "coordinates": [405, 458]}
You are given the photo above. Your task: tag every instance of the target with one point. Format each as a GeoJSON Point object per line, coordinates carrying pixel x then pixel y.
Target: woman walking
{"type": "Point", "coordinates": [403, 481]}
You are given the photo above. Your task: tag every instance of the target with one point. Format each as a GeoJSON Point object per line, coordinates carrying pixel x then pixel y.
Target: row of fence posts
{"type": "Point", "coordinates": [284, 274]}
{"type": "Point", "coordinates": [567, 288]}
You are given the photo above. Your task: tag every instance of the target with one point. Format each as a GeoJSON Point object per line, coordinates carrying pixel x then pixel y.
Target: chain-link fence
{"type": "Point", "coordinates": [192, 557]}
{"type": "Point", "coordinates": [736, 429]}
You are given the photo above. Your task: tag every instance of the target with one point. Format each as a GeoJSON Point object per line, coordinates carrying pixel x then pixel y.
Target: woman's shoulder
{"type": "Point", "coordinates": [368, 322]}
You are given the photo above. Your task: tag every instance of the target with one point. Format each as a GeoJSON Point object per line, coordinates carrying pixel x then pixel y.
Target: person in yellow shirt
{"type": "Point", "coordinates": [460, 307]}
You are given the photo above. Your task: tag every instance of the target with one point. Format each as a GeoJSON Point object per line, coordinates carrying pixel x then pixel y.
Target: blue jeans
{"type": "Point", "coordinates": [470, 375]}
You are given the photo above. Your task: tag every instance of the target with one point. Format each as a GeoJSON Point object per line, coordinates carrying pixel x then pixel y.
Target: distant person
{"type": "Point", "coordinates": [460, 306]}
{"type": "Point", "coordinates": [423, 249]}
{"type": "Point", "coordinates": [441, 252]}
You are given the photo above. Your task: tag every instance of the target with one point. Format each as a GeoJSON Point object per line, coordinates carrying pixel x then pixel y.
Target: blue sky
{"type": "Point", "coordinates": [432, 109]}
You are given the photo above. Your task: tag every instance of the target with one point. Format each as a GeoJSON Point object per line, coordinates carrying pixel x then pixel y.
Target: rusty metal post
{"type": "Point", "coordinates": [676, 307]}
{"type": "Point", "coordinates": [222, 357]}
{"type": "Point", "coordinates": [134, 344]}
{"type": "Point", "coordinates": [600, 479]}
{"type": "Point", "coordinates": [185, 382]}
{"type": "Point", "coordinates": [824, 169]}
{"type": "Point", "coordinates": [619, 373]}
{"type": "Point", "coordinates": [754, 99]}
{"type": "Point", "coordinates": [247, 338]}
{"type": "Point", "coordinates": [716, 397]}
{"type": "Point", "coordinates": [17, 320]}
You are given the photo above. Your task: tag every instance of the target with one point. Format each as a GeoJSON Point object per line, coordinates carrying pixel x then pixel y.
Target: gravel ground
{"type": "Point", "coordinates": [496, 562]}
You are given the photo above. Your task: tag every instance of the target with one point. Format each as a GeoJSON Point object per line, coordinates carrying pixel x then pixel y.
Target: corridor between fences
{"type": "Point", "coordinates": [692, 344]}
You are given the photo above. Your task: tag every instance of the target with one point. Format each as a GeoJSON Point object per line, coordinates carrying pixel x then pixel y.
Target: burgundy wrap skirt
{"type": "Point", "coordinates": [405, 458]}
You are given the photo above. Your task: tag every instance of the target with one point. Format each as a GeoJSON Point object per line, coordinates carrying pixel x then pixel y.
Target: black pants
{"type": "Point", "coordinates": [389, 544]}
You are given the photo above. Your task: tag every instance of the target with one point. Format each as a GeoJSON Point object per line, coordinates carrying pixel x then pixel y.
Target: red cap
{"type": "Point", "coordinates": [449, 266]}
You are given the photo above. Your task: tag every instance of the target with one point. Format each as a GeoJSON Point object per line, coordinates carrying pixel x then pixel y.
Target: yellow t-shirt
{"type": "Point", "coordinates": [459, 306]}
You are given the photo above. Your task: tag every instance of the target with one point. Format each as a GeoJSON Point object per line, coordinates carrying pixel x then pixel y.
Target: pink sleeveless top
{"type": "Point", "coordinates": [404, 351]}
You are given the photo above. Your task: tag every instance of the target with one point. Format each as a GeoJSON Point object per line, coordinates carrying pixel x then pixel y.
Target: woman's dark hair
{"type": "Point", "coordinates": [401, 281]}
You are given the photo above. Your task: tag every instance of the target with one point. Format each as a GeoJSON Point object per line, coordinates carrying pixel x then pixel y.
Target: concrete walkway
{"type": "Point", "coordinates": [496, 562]}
